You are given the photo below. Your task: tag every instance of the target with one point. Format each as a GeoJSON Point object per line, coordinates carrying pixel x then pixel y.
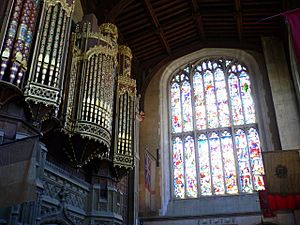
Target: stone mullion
{"type": "Point", "coordinates": [195, 133]}
{"type": "Point", "coordinates": [232, 128]}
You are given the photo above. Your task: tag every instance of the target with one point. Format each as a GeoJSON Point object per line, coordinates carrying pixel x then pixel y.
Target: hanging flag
{"type": "Point", "coordinates": [293, 18]}
{"type": "Point", "coordinates": [17, 172]}
{"type": "Point", "coordinates": [147, 172]}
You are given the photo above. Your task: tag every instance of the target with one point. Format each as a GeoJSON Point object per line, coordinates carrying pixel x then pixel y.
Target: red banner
{"type": "Point", "coordinates": [269, 203]}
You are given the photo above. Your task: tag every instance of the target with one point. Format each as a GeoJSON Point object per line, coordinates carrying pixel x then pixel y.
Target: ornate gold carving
{"type": "Point", "coordinates": [38, 93]}
{"type": "Point", "coordinates": [126, 84]}
{"type": "Point", "coordinates": [99, 49]}
{"type": "Point", "coordinates": [92, 131]}
{"type": "Point", "coordinates": [99, 36]}
{"type": "Point", "coordinates": [93, 117]}
{"type": "Point", "coordinates": [123, 161]}
{"type": "Point", "coordinates": [127, 81]}
{"type": "Point", "coordinates": [69, 8]}
{"type": "Point", "coordinates": [125, 50]}
{"type": "Point", "coordinates": [90, 105]}
{"type": "Point", "coordinates": [111, 29]}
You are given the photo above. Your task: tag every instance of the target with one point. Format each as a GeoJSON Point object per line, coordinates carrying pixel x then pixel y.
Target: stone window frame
{"type": "Point", "coordinates": [193, 133]}
{"type": "Point", "coordinates": [261, 95]}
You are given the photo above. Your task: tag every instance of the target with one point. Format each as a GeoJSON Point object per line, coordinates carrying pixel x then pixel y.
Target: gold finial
{"type": "Point", "coordinates": [109, 28]}
{"type": "Point", "coordinates": [125, 50]}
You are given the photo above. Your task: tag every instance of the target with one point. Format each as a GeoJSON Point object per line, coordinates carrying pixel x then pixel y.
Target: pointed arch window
{"type": "Point", "coordinates": [214, 135]}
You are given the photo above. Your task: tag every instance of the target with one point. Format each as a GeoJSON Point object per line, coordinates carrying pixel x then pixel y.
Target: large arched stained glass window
{"type": "Point", "coordinates": [214, 137]}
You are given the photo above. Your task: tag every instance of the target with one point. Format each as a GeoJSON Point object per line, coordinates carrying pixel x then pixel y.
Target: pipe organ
{"type": "Point", "coordinates": [71, 97]}
{"type": "Point", "coordinates": [44, 85]}
{"type": "Point", "coordinates": [125, 110]}
{"type": "Point", "coordinates": [91, 94]}
{"type": "Point", "coordinates": [90, 103]}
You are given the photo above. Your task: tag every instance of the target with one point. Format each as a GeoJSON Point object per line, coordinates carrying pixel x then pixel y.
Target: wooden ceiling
{"type": "Point", "coordinates": [161, 30]}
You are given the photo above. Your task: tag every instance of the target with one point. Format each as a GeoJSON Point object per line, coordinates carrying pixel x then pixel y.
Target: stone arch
{"type": "Point", "coordinates": [156, 100]}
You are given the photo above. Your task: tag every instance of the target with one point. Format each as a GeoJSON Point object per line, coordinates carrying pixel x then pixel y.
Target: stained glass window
{"type": "Point", "coordinates": [215, 141]}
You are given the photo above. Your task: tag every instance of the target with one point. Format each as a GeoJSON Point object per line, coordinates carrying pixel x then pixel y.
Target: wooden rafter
{"type": "Point", "coordinates": [238, 16]}
{"type": "Point", "coordinates": [162, 28]}
{"type": "Point", "coordinates": [198, 19]}
{"type": "Point", "coordinates": [173, 23]}
{"type": "Point", "coordinates": [157, 26]}
{"type": "Point", "coordinates": [117, 9]}
{"type": "Point", "coordinates": [137, 37]}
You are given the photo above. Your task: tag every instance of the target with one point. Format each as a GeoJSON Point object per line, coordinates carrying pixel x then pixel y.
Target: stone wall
{"type": "Point", "coordinates": [283, 93]}
{"type": "Point", "coordinates": [154, 134]}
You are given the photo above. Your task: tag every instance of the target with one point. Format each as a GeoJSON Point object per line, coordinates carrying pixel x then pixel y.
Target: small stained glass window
{"type": "Point", "coordinates": [215, 141]}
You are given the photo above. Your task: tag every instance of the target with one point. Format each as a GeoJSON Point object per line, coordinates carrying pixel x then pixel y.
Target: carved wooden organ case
{"type": "Point", "coordinates": [94, 100]}
{"type": "Point", "coordinates": [100, 105]}
{"type": "Point", "coordinates": [125, 110]}
{"type": "Point", "coordinates": [42, 83]}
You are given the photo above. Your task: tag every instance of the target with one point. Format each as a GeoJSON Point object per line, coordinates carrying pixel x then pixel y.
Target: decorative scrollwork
{"type": "Point", "coordinates": [38, 93]}
{"type": "Point", "coordinates": [92, 131]}
{"type": "Point", "coordinates": [127, 81]}
{"type": "Point", "coordinates": [99, 36]}
{"type": "Point", "coordinates": [123, 161]}
{"type": "Point", "coordinates": [126, 84]}
{"type": "Point", "coordinates": [99, 49]}
{"type": "Point", "coordinates": [69, 8]}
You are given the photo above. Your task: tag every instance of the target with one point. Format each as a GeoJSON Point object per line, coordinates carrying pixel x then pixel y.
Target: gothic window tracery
{"type": "Point", "coordinates": [215, 143]}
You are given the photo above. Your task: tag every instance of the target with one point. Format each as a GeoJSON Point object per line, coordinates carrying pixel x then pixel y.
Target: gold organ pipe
{"type": "Point", "coordinates": [132, 115]}
{"type": "Point", "coordinates": [55, 48]}
{"type": "Point", "coordinates": [121, 122]}
{"type": "Point", "coordinates": [94, 88]}
{"type": "Point", "coordinates": [85, 79]}
{"type": "Point", "coordinates": [126, 127]}
{"type": "Point", "coordinates": [89, 89]}
{"type": "Point", "coordinates": [124, 123]}
{"type": "Point", "coordinates": [43, 44]}
{"type": "Point", "coordinates": [49, 45]}
{"type": "Point", "coordinates": [127, 123]}
{"type": "Point", "coordinates": [98, 91]}
{"type": "Point", "coordinates": [60, 50]}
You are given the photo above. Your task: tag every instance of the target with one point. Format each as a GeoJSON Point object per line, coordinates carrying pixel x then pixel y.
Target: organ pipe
{"type": "Point", "coordinates": [44, 85]}
{"type": "Point", "coordinates": [125, 111]}
{"type": "Point", "coordinates": [90, 102]}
